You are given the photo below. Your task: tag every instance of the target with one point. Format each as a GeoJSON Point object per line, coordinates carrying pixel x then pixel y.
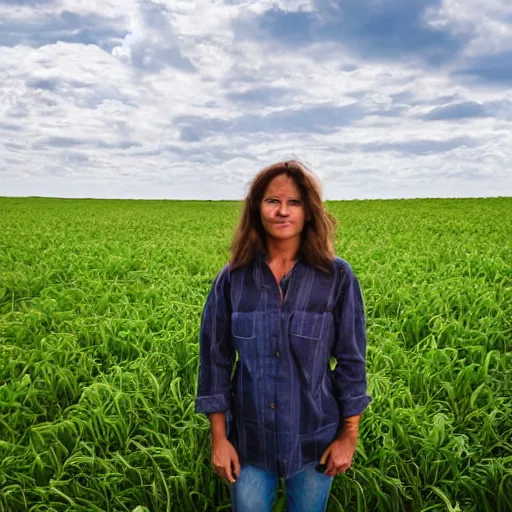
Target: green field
{"type": "Point", "coordinates": [100, 304]}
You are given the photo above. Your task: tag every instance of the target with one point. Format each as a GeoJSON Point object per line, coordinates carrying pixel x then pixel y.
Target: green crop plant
{"type": "Point", "coordinates": [100, 304]}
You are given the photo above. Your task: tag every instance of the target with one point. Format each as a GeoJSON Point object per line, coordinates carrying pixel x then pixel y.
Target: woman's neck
{"type": "Point", "coordinates": [282, 251]}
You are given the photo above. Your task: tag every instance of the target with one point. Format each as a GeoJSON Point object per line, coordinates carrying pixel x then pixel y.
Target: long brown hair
{"type": "Point", "coordinates": [317, 237]}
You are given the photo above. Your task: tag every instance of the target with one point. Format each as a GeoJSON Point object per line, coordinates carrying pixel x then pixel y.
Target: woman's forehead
{"type": "Point", "coordinates": [282, 185]}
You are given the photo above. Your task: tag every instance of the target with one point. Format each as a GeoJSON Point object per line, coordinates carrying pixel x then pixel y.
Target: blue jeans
{"type": "Point", "coordinates": [306, 491]}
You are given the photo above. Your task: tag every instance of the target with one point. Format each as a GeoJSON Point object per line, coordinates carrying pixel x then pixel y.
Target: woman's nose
{"type": "Point", "coordinates": [283, 209]}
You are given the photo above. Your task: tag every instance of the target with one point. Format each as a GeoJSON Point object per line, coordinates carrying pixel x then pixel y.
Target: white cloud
{"type": "Point", "coordinates": [183, 105]}
{"type": "Point", "coordinates": [486, 22]}
{"type": "Point", "coordinates": [151, 43]}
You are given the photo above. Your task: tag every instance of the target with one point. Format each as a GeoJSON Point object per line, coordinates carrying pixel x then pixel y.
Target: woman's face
{"type": "Point", "coordinates": [282, 210]}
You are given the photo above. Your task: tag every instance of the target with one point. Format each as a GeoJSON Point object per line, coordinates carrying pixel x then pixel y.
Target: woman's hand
{"type": "Point", "coordinates": [225, 460]}
{"type": "Point", "coordinates": [339, 454]}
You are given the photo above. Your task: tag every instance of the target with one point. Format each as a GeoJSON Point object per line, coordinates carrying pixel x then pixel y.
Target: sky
{"type": "Point", "coordinates": [189, 99]}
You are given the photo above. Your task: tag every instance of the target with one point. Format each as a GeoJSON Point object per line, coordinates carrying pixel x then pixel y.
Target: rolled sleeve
{"type": "Point", "coordinates": [349, 348]}
{"type": "Point", "coordinates": [216, 351]}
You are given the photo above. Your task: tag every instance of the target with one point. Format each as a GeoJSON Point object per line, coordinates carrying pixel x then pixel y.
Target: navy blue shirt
{"type": "Point", "coordinates": [284, 405]}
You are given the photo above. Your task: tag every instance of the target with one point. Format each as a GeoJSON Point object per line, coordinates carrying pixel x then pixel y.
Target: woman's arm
{"type": "Point", "coordinates": [218, 425]}
{"type": "Point", "coordinates": [349, 349]}
{"type": "Point", "coordinates": [217, 356]}
{"type": "Point", "coordinates": [225, 459]}
{"type": "Point", "coordinates": [350, 427]}
{"type": "Point", "coordinates": [350, 373]}
{"type": "Point", "coordinates": [216, 351]}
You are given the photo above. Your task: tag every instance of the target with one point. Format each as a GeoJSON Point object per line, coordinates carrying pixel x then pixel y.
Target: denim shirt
{"type": "Point", "coordinates": [284, 405]}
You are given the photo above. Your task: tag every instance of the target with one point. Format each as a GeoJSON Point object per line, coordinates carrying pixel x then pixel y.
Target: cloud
{"type": "Point", "coordinates": [420, 147]}
{"type": "Point", "coordinates": [488, 69]}
{"type": "Point", "coordinates": [315, 119]}
{"type": "Point", "coordinates": [391, 29]}
{"type": "Point", "coordinates": [457, 111]}
{"type": "Point", "coordinates": [161, 98]}
{"type": "Point", "coordinates": [151, 43]}
{"type": "Point", "coordinates": [54, 83]}
{"type": "Point", "coordinates": [63, 26]}
{"type": "Point", "coordinates": [486, 28]}
{"type": "Point", "coordinates": [62, 142]}
{"type": "Point", "coordinates": [11, 127]}
{"type": "Point", "coordinates": [270, 96]}
{"type": "Point", "coordinates": [26, 2]}
{"type": "Point", "coordinates": [483, 24]}
{"type": "Point", "coordinates": [49, 84]}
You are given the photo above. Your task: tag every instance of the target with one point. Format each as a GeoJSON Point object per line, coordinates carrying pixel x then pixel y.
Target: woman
{"type": "Point", "coordinates": [285, 305]}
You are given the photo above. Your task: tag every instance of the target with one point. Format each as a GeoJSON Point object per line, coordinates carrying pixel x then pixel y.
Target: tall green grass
{"type": "Point", "coordinates": [100, 304]}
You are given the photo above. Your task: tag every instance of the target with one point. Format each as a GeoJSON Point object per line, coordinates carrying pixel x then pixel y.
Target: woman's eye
{"type": "Point", "coordinates": [295, 202]}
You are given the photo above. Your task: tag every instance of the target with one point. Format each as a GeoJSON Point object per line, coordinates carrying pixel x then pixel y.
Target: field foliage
{"type": "Point", "coordinates": [100, 305]}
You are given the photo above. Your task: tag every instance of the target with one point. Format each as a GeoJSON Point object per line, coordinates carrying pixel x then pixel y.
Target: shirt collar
{"type": "Point", "coordinates": [261, 262]}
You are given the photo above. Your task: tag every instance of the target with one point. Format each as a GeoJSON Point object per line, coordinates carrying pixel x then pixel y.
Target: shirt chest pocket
{"type": "Point", "coordinates": [243, 330]}
{"type": "Point", "coordinates": [242, 325]}
{"type": "Point", "coordinates": [308, 347]}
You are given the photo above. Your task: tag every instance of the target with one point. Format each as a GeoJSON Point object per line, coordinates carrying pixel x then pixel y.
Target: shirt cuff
{"type": "Point", "coordinates": [213, 403]}
{"type": "Point", "coordinates": [354, 406]}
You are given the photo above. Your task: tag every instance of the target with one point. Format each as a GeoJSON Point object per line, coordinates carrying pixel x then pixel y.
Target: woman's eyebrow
{"type": "Point", "coordinates": [292, 198]}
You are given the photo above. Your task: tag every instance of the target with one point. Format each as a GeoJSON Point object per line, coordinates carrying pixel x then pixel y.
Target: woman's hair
{"type": "Point", "coordinates": [317, 238]}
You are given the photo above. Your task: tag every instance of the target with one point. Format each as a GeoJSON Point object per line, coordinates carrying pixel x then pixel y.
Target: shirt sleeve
{"type": "Point", "coordinates": [216, 351]}
{"type": "Point", "coordinates": [349, 348]}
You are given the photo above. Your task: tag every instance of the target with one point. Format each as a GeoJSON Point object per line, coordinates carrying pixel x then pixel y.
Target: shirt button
{"type": "Point", "coordinates": [276, 353]}
{"type": "Point", "coordinates": [272, 405]}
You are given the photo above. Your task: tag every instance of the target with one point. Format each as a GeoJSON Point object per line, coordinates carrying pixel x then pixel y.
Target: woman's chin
{"type": "Point", "coordinates": [283, 234]}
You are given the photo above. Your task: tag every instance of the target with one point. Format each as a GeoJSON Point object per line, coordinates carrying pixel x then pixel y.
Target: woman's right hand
{"type": "Point", "coordinates": [225, 460]}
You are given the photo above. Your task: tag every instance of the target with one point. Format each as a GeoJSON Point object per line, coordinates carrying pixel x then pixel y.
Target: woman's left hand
{"type": "Point", "coordinates": [339, 454]}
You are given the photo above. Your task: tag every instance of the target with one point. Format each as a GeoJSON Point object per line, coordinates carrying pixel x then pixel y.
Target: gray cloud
{"type": "Point", "coordinates": [11, 127]}
{"type": "Point", "coordinates": [122, 144]}
{"type": "Point", "coordinates": [51, 84]}
{"type": "Point", "coordinates": [75, 156]}
{"type": "Point", "coordinates": [265, 95]}
{"type": "Point", "coordinates": [463, 110]}
{"type": "Point", "coordinates": [18, 110]}
{"type": "Point", "coordinates": [48, 84]}
{"type": "Point", "coordinates": [67, 27]}
{"type": "Point", "coordinates": [83, 94]}
{"type": "Point", "coordinates": [62, 142]}
{"type": "Point", "coordinates": [189, 135]}
{"type": "Point", "coordinates": [419, 146]}
{"type": "Point", "coordinates": [179, 105]}
{"type": "Point", "coordinates": [14, 146]}
{"type": "Point", "coordinates": [314, 119]}
{"type": "Point", "coordinates": [69, 142]}
{"type": "Point", "coordinates": [391, 111]}
{"type": "Point", "coordinates": [409, 98]}
{"type": "Point", "coordinates": [153, 45]}
{"type": "Point", "coordinates": [27, 2]}
{"type": "Point", "coordinates": [490, 68]}
{"type": "Point", "coordinates": [391, 29]}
